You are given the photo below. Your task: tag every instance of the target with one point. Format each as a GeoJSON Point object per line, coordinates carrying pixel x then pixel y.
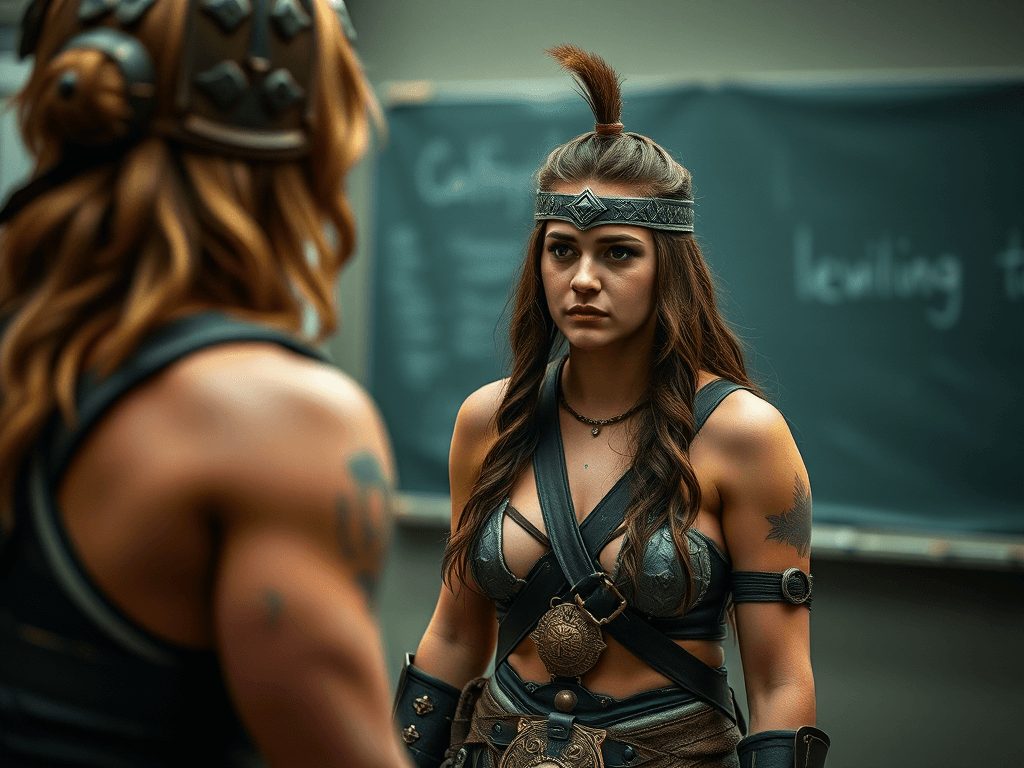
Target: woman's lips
{"type": "Point", "coordinates": [583, 312]}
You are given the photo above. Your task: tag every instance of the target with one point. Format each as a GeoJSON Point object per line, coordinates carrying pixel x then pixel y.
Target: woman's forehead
{"type": "Point", "coordinates": [599, 188]}
{"type": "Point", "coordinates": [563, 230]}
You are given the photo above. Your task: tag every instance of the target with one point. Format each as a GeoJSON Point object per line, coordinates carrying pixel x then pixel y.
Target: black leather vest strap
{"type": "Point", "coordinates": [553, 488]}
{"type": "Point", "coordinates": [628, 628]}
{"type": "Point", "coordinates": [169, 343]}
{"type": "Point", "coordinates": [709, 397]}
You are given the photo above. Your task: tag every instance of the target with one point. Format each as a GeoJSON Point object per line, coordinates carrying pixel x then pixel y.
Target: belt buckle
{"type": "Point", "coordinates": [609, 584]}
{"type": "Point", "coordinates": [533, 746]}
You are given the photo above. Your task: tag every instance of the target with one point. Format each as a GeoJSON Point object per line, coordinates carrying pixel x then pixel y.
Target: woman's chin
{"type": "Point", "coordinates": [591, 341]}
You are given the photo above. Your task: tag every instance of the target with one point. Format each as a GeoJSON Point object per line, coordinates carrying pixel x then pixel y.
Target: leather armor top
{"type": "Point", "coordinates": [80, 682]}
{"type": "Point", "coordinates": [661, 588]}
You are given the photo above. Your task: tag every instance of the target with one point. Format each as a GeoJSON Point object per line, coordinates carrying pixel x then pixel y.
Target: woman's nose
{"type": "Point", "coordinates": [585, 280]}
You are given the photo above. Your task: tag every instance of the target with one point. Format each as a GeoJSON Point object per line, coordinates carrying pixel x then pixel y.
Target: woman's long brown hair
{"type": "Point", "coordinates": [690, 336]}
{"type": "Point", "coordinates": [115, 251]}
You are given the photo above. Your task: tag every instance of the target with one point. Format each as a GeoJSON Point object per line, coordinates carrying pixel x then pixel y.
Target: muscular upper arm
{"type": "Point", "coordinates": [763, 486]}
{"type": "Point", "coordinates": [303, 498]}
{"type": "Point", "coordinates": [766, 520]}
{"type": "Point", "coordinates": [462, 633]}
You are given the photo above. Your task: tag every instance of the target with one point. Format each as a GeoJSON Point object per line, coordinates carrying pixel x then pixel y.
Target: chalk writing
{"type": "Point", "coordinates": [421, 358]}
{"type": "Point", "coordinates": [480, 177]}
{"type": "Point", "coordinates": [887, 271]}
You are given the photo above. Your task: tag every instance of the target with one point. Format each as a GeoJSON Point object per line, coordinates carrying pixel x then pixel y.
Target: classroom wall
{"type": "Point", "coordinates": [489, 41]}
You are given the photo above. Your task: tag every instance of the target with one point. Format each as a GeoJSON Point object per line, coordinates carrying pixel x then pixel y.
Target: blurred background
{"type": "Point", "coordinates": [859, 170]}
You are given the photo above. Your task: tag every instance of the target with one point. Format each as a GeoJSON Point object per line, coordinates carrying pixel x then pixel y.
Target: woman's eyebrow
{"type": "Point", "coordinates": [569, 238]}
{"type": "Point", "coordinates": [619, 239]}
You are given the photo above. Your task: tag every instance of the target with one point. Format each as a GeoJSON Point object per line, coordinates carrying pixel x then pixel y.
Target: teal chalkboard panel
{"type": "Point", "coordinates": [867, 240]}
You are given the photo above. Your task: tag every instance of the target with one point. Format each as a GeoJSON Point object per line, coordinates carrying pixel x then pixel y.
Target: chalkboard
{"type": "Point", "coordinates": [868, 245]}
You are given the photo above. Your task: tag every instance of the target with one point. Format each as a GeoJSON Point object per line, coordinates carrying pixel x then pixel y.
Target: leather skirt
{"type": "Point", "coordinates": [515, 724]}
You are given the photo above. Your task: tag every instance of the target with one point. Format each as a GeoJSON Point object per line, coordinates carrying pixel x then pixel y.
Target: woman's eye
{"type": "Point", "coordinates": [619, 253]}
{"type": "Point", "coordinates": [559, 250]}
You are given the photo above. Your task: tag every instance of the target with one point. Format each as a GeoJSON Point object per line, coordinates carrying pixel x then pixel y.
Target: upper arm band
{"type": "Point", "coordinates": [790, 586]}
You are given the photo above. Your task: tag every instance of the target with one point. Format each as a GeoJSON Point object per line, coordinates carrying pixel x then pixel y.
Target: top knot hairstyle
{"type": "Point", "coordinates": [597, 83]}
{"type": "Point", "coordinates": [132, 225]}
{"type": "Point", "coordinates": [690, 337]}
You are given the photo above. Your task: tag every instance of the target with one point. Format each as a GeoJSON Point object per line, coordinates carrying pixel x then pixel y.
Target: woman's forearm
{"type": "Point", "coordinates": [456, 659]}
{"type": "Point", "coordinates": [784, 706]}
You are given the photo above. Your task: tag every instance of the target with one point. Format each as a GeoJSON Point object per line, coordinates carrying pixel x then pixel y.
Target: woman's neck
{"type": "Point", "coordinates": [601, 384]}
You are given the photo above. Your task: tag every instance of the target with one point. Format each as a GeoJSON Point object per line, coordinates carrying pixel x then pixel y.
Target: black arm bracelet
{"type": "Point", "coordinates": [805, 747]}
{"type": "Point", "coordinates": [424, 707]}
{"type": "Point", "coordinates": [790, 586]}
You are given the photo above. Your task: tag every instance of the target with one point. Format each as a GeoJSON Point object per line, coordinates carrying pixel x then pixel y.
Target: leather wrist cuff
{"type": "Point", "coordinates": [424, 707]}
{"type": "Point", "coordinates": [805, 747]}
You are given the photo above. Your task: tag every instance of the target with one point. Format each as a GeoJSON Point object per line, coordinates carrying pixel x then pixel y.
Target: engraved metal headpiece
{"type": "Point", "coordinates": [247, 78]}
{"type": "Point", "coordinates": [587, 210]}
{"type": "Point", "coordinates": [246, 84]}
{"type": "Point", "coordinates": [247, 75]}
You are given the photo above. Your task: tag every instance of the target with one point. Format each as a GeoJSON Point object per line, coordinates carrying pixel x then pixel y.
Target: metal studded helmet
{"type": "Point", "coordinates": [247, 77]}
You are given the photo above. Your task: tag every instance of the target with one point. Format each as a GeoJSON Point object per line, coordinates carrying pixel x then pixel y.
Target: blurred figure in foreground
{"type": "Point", "coordinates": [195, 506]}
{"type": "Point", "coordinates": [608, 505]}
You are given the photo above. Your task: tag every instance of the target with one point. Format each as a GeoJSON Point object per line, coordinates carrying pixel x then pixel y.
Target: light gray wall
{"type": "Point", "coordinates": [915, 666]}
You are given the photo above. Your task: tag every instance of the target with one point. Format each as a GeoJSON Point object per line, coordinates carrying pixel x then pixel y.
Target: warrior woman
{"type": "Point", "coordinates": [193, 501]}
{"type": "Point", "coordinates": [608, 506]}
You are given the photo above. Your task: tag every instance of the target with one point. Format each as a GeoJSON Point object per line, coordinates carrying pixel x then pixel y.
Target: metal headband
{"type": "Point", "coordinates": [587, 210]}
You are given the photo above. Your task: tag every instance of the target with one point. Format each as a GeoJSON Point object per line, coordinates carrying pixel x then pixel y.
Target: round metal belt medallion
{"type": "Point", "coordinates": [528, 747]}
{"type": "Point", "coordinates": [569, 640]}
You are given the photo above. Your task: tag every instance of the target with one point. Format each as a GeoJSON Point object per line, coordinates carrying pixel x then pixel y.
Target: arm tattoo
{"type": "Point", "coordinates": [274, 602]}
{"type": "Point", "coordinates": [363, 533]}
{"type": "Point", "coordinates": [793, 526]}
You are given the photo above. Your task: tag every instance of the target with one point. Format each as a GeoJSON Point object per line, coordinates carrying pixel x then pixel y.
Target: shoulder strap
{"type": "Point", "coordinates": [166, 345]}
{"type": "Point", "coordinates": [553, 487]}
{"type": "Point", "coordinates": [709, 397]}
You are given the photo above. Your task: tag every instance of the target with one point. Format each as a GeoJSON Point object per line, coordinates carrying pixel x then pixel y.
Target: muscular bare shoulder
{"type": "Point", "coordinates": [474, 434]}
{"type": "Point", "coordinates": [271, 394]}
{"type": "Point", "coordinates": [476, 416]}
{"type": "Point", "coordinates": [745, 427]}
{"type": "Point", "coordinates": [287, 442]}
{"type": "Point", "coordinates": [762, 483]}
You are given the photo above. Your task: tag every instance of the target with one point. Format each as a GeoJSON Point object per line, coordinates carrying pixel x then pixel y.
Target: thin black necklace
{"type": "Point", "coordinates": [596, 424]}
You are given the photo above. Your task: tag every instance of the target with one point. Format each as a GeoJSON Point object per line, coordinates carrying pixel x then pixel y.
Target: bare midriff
{"type": "Point", "coordinates": [618, 673]}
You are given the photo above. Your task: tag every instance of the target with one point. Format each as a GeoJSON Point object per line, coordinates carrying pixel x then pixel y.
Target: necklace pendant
{"type": "Point", "coordinates": [595, 431]}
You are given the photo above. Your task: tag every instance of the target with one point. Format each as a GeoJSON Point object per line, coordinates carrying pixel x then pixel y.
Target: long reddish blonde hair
{"type": "Point", "coordinates": [118, 249]}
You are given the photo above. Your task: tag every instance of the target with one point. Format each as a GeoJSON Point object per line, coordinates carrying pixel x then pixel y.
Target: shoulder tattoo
{"type": "Point", "coordinates": [793, 526]}
{"type": "Point", "coordinates": [364, 523]}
